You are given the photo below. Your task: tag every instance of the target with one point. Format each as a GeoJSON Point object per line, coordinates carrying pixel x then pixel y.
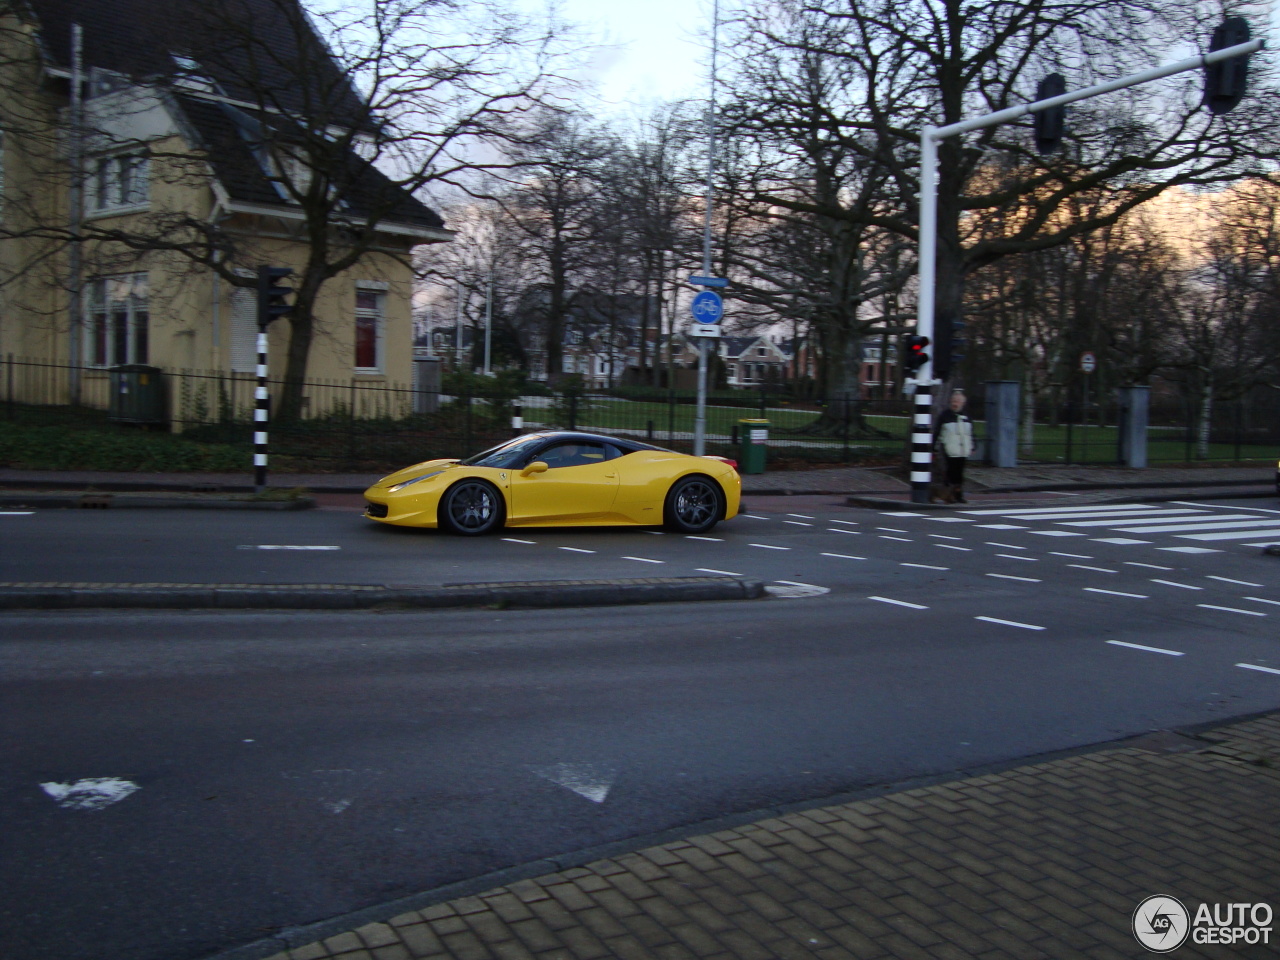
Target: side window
{"type": "Point", "coordinates": [575, 453]}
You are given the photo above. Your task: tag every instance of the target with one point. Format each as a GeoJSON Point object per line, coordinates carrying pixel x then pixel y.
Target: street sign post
{"type": "Point", "coordinates": [1088, 362]}
{"type": "Point", "coordinates": [709, 281]}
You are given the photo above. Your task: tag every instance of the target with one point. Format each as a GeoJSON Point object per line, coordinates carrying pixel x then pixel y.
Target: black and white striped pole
{"type": "Point", "coordinates": [272, 303]}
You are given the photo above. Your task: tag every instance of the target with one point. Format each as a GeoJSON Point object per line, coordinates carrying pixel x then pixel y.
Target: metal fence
{"type": "Point", "coordinates": [372, 424]}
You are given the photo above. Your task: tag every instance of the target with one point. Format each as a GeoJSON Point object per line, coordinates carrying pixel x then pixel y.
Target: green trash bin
{"type": "Point", "coordinates": [752, 435]}
{"type": "Point", "coordinates": [138, 394]}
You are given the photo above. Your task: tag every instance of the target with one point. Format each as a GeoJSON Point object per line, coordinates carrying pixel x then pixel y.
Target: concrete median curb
{"type": "Point", "coordinates": [336, 596]}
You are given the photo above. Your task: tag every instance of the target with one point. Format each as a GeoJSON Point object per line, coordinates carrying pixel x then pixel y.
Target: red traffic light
{"type": "Point", "coordinates": [915, 356]}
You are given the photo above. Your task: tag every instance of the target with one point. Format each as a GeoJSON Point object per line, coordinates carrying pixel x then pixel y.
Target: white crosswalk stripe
{"type": "Point", "coordinates": [1203, 523]}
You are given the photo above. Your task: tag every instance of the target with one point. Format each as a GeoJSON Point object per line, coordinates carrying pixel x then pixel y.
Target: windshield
{"type": "Point", "coordinates": [504, 455]}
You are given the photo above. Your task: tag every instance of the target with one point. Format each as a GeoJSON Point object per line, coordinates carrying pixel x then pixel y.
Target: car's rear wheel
{"type": "Point", "coordinates": [471, 508]}
{"type": "Point", "coordinates": [694, 505]}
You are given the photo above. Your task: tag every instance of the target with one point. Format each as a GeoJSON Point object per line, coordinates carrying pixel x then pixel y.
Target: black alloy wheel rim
{"type": "Point", "coordinates": [471, 506]}
{"type": "Point", "coordinates": [695, 503]}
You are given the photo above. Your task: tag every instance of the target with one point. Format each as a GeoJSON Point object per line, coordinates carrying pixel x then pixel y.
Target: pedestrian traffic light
{"type": "Point", "coordinates": [914, 357]}
{"type": "Point", "coordinates": [1225, 81]}
{"type": "Point", "coordinates": [949, 350]}
{"type": "Point", "coordinates": [272, 298]}
{"type": "Point", "coordinates": [1050, 123]}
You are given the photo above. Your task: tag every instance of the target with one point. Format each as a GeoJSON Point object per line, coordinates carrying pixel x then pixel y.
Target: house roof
{"type": "Point", "coordinates": [260, 52]}
{"type": "Point", "coordinates": [247, 47]}
{"type": "Point", "coordinates": [230, 137]}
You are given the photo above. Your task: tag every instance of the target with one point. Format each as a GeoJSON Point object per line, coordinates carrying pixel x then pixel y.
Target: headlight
{"type": "Point", "coordinates": [405, 483]}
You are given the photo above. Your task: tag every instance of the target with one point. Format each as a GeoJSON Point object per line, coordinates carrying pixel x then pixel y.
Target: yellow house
{"type": "Point", "coordinates": [144, 175]}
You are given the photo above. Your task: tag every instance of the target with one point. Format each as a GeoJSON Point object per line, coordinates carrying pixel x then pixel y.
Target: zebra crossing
{"type": "Point", "coordinates": [1206, 527]}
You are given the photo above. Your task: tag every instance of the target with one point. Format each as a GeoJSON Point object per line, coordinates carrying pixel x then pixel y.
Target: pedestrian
{"type": "Point", "coordinates": [955, 436]}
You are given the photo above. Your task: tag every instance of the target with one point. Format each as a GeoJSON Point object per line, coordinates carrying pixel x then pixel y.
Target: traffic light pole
{"type": "Point", "coordinates": [930, 137]}
{"type": "Point", "coordinates": [260, 414]}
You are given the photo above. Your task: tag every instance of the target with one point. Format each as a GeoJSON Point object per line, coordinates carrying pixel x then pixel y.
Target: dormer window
{"type": "Point", "coordinates": [191, 76]}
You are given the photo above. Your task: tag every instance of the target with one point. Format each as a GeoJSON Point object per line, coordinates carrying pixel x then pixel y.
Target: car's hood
{"type": "Point", "coordinates": [417, 470]}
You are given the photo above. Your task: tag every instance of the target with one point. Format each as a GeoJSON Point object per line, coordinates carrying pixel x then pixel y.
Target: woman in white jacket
{"type": "Point", "coordinates": [955, 435]}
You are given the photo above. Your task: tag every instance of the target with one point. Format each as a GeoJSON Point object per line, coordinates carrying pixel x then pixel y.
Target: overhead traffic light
{"type": "Point", "coordinates": [272, 298]}
{"type": "Point", "coordinates": [1226, 80]}
{"type": "Point", "coordinates": [949, 349]}
{"type": "Point", "coordinates": [914, 357]}
{"type": "Point", "coordinates": [1051, 123]}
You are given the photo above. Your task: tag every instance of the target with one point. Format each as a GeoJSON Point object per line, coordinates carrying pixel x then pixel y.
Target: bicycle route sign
{"type": "Point", "coordinates": [707, 307]}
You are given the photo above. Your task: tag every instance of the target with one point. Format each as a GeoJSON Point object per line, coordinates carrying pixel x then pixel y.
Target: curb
{"type": "Point", "coordinates": [105, 501]}
{"type": "Point", "coordinates": [245, 596]}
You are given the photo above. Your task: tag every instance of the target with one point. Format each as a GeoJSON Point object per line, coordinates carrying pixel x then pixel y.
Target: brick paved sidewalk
{"type": "Point", "coordinates": [1047, 859]}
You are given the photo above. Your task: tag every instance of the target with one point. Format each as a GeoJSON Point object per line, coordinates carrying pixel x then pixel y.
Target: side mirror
{"type": "Point", "coordinates": [537, 466]}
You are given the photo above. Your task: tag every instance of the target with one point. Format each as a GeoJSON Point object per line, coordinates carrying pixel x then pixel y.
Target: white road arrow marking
{"type": "Point", "coordinates": [590, 780]}
{"type": "Point", "coordinates": [91, 794]}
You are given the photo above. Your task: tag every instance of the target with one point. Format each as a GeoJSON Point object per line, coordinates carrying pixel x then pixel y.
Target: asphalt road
{"type": "Point", "coordinates": [291, 767]}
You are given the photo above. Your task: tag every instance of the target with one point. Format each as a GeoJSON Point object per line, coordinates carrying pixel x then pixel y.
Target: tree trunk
{"type": "Point", "coordinates": [301, 333]}
{"type": "Point", "coordinates": [1206, 418]}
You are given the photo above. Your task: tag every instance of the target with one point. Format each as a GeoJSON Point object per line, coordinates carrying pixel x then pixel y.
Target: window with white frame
{"type": "Point", "coordinates": [118, 181]}
{"type": "Point", "coordinates": [117, 320]}
{"type": "Point", "coordinates": [244, 330]}
{"type": "Point", "coordinates": [370, 320]}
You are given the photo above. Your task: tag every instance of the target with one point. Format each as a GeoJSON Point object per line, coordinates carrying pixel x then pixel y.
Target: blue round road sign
{"type": "Point", "coordinates": [707, 307]}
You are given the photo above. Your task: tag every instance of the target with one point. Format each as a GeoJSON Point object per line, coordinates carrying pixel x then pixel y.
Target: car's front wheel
{"type": "Point", "coordinates": [471, 508]}
{"type": "Point", "coordinates": [694, 505]}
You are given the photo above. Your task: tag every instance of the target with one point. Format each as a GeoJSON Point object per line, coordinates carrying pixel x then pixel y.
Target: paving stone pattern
{"type": "Point", "coordinates": [1048, 859]}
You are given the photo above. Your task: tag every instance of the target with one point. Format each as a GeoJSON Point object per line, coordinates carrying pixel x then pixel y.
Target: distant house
{"type": "Point", "coordinates": [166, 140]}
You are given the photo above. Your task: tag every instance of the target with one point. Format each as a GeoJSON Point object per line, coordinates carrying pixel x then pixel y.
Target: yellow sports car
{"type": "Point", "coordinates": [560, 480]}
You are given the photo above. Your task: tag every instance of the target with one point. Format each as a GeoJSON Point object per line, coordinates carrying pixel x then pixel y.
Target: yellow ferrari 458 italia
{"type": "Point", "coordinates": [560, 480]}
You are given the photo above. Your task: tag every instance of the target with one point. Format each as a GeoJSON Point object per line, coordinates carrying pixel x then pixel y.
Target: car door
{"type": "Point", "coordinates": [580, 484]}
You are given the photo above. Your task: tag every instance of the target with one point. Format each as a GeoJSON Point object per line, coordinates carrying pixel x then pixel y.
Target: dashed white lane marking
{"type": "Point", "coordinates": [284, 546]}
{"type": "Point", "coordinates": [799, 516]}
{"type": "Point", "coordinates": [515, 540]}
{"type": "Point", "coordinates": [924, 566]}
{"type": "Point", "coordinates": [657, 533]}
{"type": "Point", "coordinates": [1085, 566]}
{"type": "Point", "coordinates": [947, 546]}
{"type": "Point", "coordinates": [1010, 623]}
{"type": "Point", "coordinates": [722, 573]}
{"type": "Point", "coordinates": [798, 523]}
{"type": "Point", "coordinates": [753, 516]}
{"type": "Point", "coordinates": [1243, 583]}
{"type": "Point", "coordinates": [1251, 613]}
{"type": "Point", "coordinates": [949, 520]}
{"type": "Point", "coordinates": [1009, 576]}
{"type": "Point", "coordinates": [1073, 556]}
{"type": "Point", "coordinates": [843, 556]}
{"type": "Point", "coordinates": [853, 523]}
{"type": "Point", "coordinates": [1055, 533]}
{"type": "Point", "coordinates": [898, 513]}
{"type": "Point", "coordinates": [1117, 593]}
{"type": "Point", "coordinates": [1243, 529]}
{"type": "Point", "coordinates": [767, 546]}
{"type": "Point", "coordinates": [893, 530]}
{"type": "Point", "coordinates": [1120, 540]}
{"type": "Point", "coordinates": [900, 603]}
{"type": "Point", "coordinates": [1264, 600]}
{"type": "Point", "coordinates": [577, 550]}
{"type": "Point", "coordinates": [1188, 550]}
{"type": "Point", "coordinates": [943, 536]}
{"type": "Point", "coordinates": [16, 513]}
{"type": "Point", "coordinates": [1249, 534]}
{"type": "Point", "coordinates": [1149, 566]}
{"type": "Point", "coordinates": [1175, 583]}
{"type": "Point", "coordinates": [643, 560]}
{"type": "Point", "coordinates": [1139, 646]}
{"type": "Point", "coordinates": [708, 539]}
{"type": "Point", "coordinates": [1000, 526]}
{"type": "Point", "coordinates": [1014, 556]}
{"type": "Point", "coordinates": [1007, 546]}
{"type": "Point", "coordinates": [902, 539]}
{"type": "Point", "coordinates": [856, 533]}
{"type": "Point", "coordinates": [1252, 666]}
{"type": "Point", "coordinates": [91, 794]}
